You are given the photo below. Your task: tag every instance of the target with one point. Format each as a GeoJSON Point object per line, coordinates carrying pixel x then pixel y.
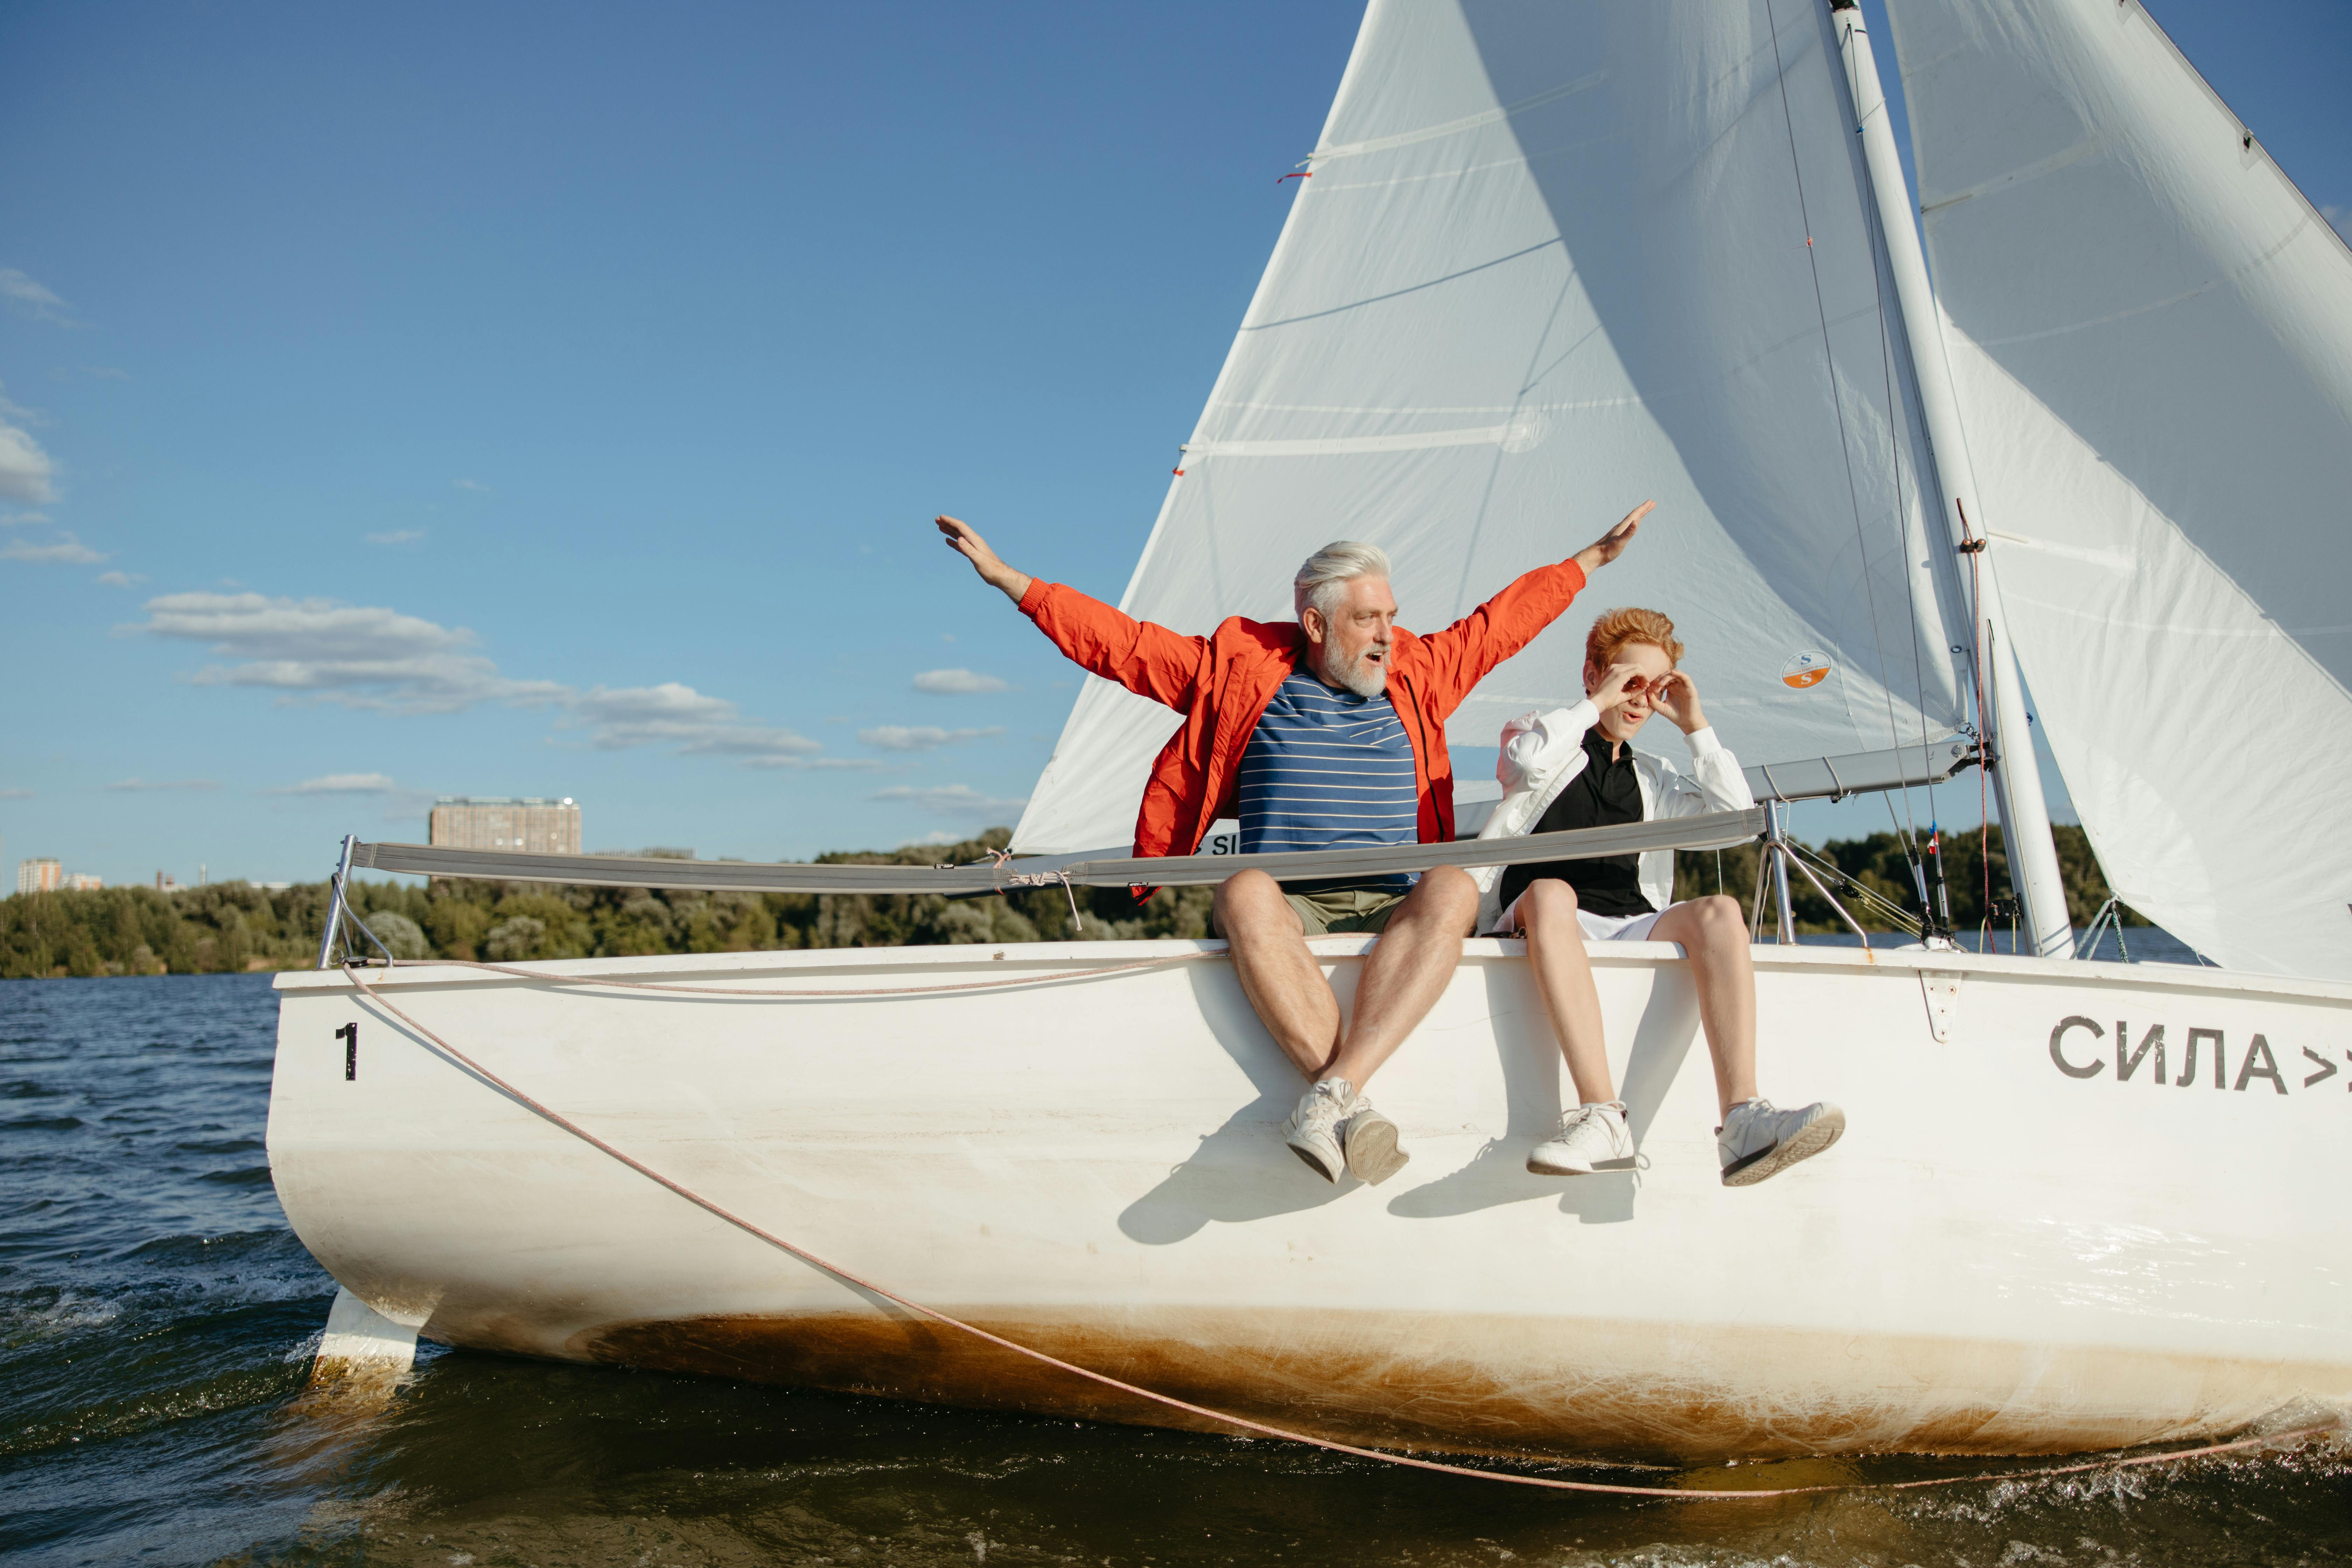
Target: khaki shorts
{"type": "Point", "coordinates": [1341, 911]}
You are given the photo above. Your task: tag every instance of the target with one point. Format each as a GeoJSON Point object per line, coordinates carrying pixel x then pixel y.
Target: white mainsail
{"type": "Point", "coordinates": [1550, 261]}
{"type": "Point", "coordinates": [2151, 342]}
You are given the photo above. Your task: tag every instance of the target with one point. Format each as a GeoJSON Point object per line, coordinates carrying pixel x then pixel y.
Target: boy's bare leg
{"type": "Point", "coordinates": [1409, 968]}
{"type": "Point", "coordinates": [1714, 933]}
{"type": "Point", "coordinates": [1278, 975]}
{"type": "Point", "coordinates": [1546, 914]}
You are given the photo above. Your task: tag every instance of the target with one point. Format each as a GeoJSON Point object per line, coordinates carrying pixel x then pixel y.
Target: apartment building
{"type": "Point", "coordinates": [39, 876]}
{"type": "Point", "coordinates": [530, 824]}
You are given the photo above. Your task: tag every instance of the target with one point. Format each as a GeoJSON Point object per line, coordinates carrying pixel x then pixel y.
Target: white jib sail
{"type": "Point", "coordinates": [1550, 261]}
{"type": "Point", "coordinates": [2151, 336]}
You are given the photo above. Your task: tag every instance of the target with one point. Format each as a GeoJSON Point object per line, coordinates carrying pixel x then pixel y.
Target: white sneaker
{"type": "Point", "coordinates": [1757, 1141]}
{"type": "Point", "coordinates": [1370, 1141]}
{"type": "Point", "coordinates": [1586, 1136]}
{"type": "Point", "coordinates": [1312, 1131]}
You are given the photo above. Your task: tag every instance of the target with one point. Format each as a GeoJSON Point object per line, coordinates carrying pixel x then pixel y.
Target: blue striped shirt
{"type": "Point", "coordinates": [1328, 770]}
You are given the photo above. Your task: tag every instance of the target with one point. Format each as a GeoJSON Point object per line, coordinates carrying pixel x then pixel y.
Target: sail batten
{"type": "Point", "coordinates": [1565, 268]}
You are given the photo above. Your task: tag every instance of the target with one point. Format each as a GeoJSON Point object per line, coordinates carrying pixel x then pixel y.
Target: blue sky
{"type": "Point", "coordinates": [538, 400]}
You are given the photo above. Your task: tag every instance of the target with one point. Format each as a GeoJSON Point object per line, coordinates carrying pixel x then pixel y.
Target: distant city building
{"type": "Point", "coordinates": [531, 824]}
{"type": "Point", "coordinates": [83, 882]}
{"type": "Point", "coordinates": [166, 883]}
{"type": "Point", "coordinates": [39, 876]}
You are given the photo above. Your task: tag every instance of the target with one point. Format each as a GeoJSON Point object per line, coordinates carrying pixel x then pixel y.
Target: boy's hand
{"type": "Point", "coordinates": [1677, 699]}
{"type": "Point", "coordinates": [1622, 684]}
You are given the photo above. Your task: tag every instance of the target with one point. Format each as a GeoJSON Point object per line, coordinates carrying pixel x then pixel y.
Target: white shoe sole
{"type": "Point", "coordinates": [1313, 1161]}
{"type": "Point", "coordinates": [1561, 1167]}
{"type": "Point", "coordinates": [1808, 1142]}
{"type": "Point", "coordinates": [1372, 1152]}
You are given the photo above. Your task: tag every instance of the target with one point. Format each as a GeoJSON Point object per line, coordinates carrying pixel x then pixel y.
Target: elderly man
{"type": "Point", "coordinates": [1326, 734]}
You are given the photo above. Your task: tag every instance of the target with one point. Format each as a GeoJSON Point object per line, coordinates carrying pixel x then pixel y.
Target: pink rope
{"type": "Point", "coordinates": [359, 978]}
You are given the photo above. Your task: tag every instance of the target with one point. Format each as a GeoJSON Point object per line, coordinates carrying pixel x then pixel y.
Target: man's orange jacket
{"type": "Point", "coordinates": [1222, 683]}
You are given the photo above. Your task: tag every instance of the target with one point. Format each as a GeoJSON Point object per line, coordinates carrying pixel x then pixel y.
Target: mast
{"type": "Point", "coordinates": [2024, 815]}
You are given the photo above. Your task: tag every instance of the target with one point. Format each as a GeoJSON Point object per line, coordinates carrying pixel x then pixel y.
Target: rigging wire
{"type": "Point", "coordinates": [1974, 547]}
{"type": "Point", "coordinates": [1880, 251]}
{"type": "Point", "coordinates": [1837, 404]}
{"type": "Point", "coordinates": [1906, 830]}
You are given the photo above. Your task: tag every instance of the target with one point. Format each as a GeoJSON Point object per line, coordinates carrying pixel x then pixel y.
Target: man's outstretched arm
{"type": "Point", "coordinates": [1513, 618]}
{"type": "Point", "coordinates": [1148, 660]}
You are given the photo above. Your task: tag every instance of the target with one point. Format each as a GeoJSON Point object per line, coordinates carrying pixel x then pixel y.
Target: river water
{"type": "Point", "coordinates": [156, 1319]}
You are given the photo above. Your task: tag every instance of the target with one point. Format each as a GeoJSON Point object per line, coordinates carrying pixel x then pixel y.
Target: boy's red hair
{"type": "Point", "coordinates": [1615, 628]}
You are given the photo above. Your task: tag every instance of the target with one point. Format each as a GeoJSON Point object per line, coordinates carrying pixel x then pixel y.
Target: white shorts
{"type": "Point", "coordinates": [1597, 928]}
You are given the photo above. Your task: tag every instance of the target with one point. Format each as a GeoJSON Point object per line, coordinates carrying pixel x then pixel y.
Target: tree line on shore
{"type": "Point", "coordinates": [235, 927]}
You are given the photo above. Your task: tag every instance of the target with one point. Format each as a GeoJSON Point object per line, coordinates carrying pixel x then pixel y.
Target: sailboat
{"type": "Point", "coordinates": [1544, 260]}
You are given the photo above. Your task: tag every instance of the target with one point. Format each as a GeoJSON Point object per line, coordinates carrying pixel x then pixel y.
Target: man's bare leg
{"type": "Point", "coordinates": [1278, 975]}
{"type": "Point", "coordinates": [1409, 967]}
{"type": "Point", "coordinates": [1714, 933]}
{"type": "Point", "coordinates": [1334, 1129]}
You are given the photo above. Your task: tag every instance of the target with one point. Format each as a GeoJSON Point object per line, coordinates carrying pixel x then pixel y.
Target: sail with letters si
{"type": "Point", "coordinates": [1550, 260]}
{"type": "Point", "coordinates": [2151, 345]}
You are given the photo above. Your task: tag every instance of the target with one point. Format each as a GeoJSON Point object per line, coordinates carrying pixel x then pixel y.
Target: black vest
{"type": "Point", "coordinates": [1604, 794]}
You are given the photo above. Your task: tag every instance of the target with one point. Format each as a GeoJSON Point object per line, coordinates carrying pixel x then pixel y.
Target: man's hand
{"type": "Point", "coordinates": [1612, 545]}
{"type": "Point", "coordinates": [1677, 699]}
{"type": "Point", "coordinates": [966, 542]}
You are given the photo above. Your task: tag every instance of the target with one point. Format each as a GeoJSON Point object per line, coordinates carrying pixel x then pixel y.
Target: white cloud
{"type": "Point", "coordinates": [475, 485]}
{"type": "Point", "coordinates": [370, 656]}
{"type": "Point", "coordinates": [359, 656]}
{"type": "Point", "coordinates": [20, 519]}
{"type": "Point", "coordinates": [958, 682]}
{"type": "Point", "coordinates": [950, 800]}
{"type": "Point", "coordinates": [67, 551]}
{"type": "Point", "coordinates": [30, 299]}
{"type": "Point", "coordinates": [935, 836]}
{"type": "Point", "coordinates": [820, 765]}
{"type": "Point", "coordinates": [16, 795]}
{"type": "Point", "coordinates": [2341, 218]}
{"type": "Point", "coordinates": [341, 784]}
{"type": "Point", "coordinates": [123, 579]}
{"type": "Point", "coordinates": [921, 737]}
{"type": "Point", "coordinates": [401, 803]}
{"type": "Point", "coordinates": [25, 470]}
{"type": "Point", "coordinates": [397, 536]}
{"type": "Point", "coordinates": [673, 714]}
{"type": "Point", "coordinates": [144, 785]}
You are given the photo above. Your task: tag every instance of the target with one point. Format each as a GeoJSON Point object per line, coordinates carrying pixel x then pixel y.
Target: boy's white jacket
{"type": "Point", "coordinates": [1543, 752]}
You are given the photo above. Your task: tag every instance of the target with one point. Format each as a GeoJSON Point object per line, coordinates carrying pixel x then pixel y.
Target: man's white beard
{"type": "Point", "coordinates": [1362, 677]}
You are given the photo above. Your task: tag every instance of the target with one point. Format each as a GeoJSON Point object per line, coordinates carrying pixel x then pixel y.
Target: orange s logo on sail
{"type": "Point", "coordinates": [1804, 671]}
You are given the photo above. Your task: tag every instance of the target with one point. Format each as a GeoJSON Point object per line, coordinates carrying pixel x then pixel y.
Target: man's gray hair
{"type": "Point", "coordinates": [1323, 579]}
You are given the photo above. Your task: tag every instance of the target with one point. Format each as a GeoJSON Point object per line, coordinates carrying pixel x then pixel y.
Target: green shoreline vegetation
{"type": "Point", "coordinates": [235, 927]}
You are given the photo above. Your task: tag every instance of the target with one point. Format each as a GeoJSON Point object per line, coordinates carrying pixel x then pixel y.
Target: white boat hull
{"type": "Point", "coordinates": [2001, 1257]}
